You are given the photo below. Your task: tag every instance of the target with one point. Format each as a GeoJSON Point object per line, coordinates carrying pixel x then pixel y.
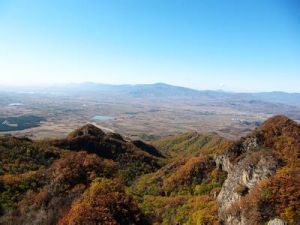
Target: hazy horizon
{"type": "Point", "coordinates": [57, 85]}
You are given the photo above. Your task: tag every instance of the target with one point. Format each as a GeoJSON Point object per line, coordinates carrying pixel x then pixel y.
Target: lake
{"type": "Point", "coordinates": [15, 104]}
{"type": "Point", "coordinates": [102, 118]}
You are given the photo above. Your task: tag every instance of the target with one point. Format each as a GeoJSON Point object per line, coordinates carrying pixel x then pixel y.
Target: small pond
{"type": "Point", "coordinates": [103, 118]}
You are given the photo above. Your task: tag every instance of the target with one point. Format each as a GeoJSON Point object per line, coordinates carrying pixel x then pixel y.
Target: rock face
{"type": "Point", "coordinates": [246, 165]}
{"type": "Point", "coordinates": [257, 157]}
{"type": "Point", "coordinates": [277, 222]}
{"type": "Point", "coordinates": [223, 162]}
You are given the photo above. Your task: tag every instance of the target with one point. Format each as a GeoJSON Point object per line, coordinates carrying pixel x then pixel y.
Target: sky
{"type": "Point", "coordinates": [249, 45]}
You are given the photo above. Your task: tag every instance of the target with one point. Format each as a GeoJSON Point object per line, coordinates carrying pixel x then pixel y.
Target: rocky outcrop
{"type": "Point", "coordinates": [223, 163]}
{"type": "Point", "coordinates": [274, 145]}
{"type": "Point", "coordinates": [226, 161]}
{"type": "Point", "coordinates": [246, 165]}
{"type": "Point", "coordinates": [277, 222]}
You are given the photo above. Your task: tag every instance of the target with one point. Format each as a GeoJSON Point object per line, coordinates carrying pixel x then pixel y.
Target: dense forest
{"type": "Point", "coordinates": [92, 177]}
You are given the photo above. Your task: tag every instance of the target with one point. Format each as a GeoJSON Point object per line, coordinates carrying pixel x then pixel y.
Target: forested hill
{"type": "Point", "coordinates": [93, 177]}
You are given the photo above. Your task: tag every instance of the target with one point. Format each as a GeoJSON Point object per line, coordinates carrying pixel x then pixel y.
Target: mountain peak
{"type": "Point", "coordinates": [281, 134]}
{"type": "Point", "coordinates": [87, 130]}
{"type": "Point", "coordinates": [278, 125]}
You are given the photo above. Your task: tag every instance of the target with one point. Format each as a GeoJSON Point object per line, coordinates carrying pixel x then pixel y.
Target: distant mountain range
{"type": "Point", "coordinates": [165, 90]}
{"type": "Point", "coordinates": [162, 90]}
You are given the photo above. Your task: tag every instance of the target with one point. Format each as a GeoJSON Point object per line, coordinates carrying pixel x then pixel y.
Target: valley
{"type": "Point", "coordinates": [140, 112]}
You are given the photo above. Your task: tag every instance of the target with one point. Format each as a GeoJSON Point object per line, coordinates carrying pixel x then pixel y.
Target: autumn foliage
{"type": "Point", "coordinates": [104, 203]}
{"type": "Point", "coordinates": [93, 177]}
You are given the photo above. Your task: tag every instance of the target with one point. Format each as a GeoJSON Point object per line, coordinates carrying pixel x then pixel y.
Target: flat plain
{"type": "Point", "coordinates": [139, 112]}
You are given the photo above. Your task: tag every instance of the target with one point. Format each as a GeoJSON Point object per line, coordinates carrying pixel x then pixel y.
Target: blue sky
{"type": "Point", "coordinates": [250, 45]}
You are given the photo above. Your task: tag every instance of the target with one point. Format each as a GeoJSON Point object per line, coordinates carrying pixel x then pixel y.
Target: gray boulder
{"type": "Point", "coordinates": [277, 222]}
